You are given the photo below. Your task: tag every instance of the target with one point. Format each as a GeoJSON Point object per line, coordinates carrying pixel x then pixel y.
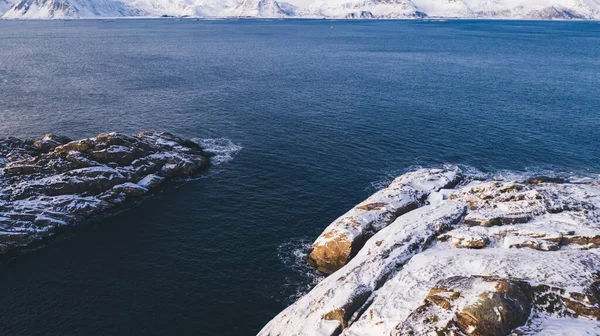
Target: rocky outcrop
{"type": "Point", "coordinates": [484, 258]}
{"type": "Point", "coordinates": [473, 306]}
{"type": "Point", "coordinates": [53, 182]}
{"type": "Point", "coordinates": [347, 234]}
{"type": "Point", "coordinates": [347, 292]}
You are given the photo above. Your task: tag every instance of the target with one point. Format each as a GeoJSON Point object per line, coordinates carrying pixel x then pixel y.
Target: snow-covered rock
{"type": "Point", "coordinates": [346, 235]}
{"type": "Point", "coordinates": [53, 182]}
{"type": "Point", "coordinates": [472, 305]}
{"type": "Point", "coordinates": [487, 258]}
{"type": "Point", "coordinates": [332, 304]}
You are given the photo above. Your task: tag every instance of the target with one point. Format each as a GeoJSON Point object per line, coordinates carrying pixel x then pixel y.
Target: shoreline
{"type": "Point", "coordinates": [440, 252]}
{"type": "Point", "coordinates": [300, 18]}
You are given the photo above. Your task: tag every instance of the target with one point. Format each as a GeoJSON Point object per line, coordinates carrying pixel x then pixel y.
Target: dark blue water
{"type": "Point", "coordinates": [322, 110]}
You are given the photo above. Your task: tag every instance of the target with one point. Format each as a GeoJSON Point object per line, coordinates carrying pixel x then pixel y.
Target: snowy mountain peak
{"type": "Point", "coordinates": [260, 8]}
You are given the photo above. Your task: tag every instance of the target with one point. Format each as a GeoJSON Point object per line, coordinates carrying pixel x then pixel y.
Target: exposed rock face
{"type": "Point", "coordinates": [53, 182]}
{"type": "Point", "coordinates": [474, 306]}
{"type": "Point", "coordinates": [485, 258]}
{"type": "Point", "coordinates": [347, 234]}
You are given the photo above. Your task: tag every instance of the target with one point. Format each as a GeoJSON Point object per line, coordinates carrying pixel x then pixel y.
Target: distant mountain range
{"type": "Point", "coordinates": [353, 9]}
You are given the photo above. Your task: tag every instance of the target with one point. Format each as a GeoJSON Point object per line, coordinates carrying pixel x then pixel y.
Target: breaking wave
{"type": "Point", "coordinates": [223, 149]}
{"type": "Point", "coordinates": [304, 277]}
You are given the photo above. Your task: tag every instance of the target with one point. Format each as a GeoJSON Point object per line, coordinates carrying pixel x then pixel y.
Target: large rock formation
{"type": "Point", "coordinates": [347, 234]}
{"type": "Point", "coordinates": [472, 305]}
{"type": "Point", "coordinates": [53, 182]}
{"type": "Point", "coordinates": [481, 258]}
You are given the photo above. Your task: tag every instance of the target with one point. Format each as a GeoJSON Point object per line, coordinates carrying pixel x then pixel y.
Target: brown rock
{"type": "Point", "coordinates": [497, 312]}
{"type": "Point", "coordinates": [49, 142]}
{"type": "Point", "coordinates": [347, 235]}
{"type": "Point", "coordinates": [506, 306]}
{"type": "Point", "coordinates": [79, 146]}
{"type": "Point", "coordinates": [331, 256]}
{"type": "Point", "coordinates": [557, 301]}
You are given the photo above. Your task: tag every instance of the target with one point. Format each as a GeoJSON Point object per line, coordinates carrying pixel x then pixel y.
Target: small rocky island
{"type": "Point", "coordinates": [440, 253]}
{"type": "Point", "coordinates": [52, 183]}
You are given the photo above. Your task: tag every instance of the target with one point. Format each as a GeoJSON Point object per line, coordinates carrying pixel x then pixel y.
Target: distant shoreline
{"type": "Point", "coordinates": [232, 18]}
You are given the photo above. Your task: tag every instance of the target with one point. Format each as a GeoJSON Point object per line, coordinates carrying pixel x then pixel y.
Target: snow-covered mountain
{"type": "Point", "coordinates": [55, 9]}
{"type": "Point", "coordinates": [260, 8]}
{"type": "Point", "coordinates": [369, 9]}
{"type": "Point", "coordinates": [192, 8]}
{"type": "Point", "coordinates": [510, 9]}
{"type": "Point", "coordinates": [365, 9]}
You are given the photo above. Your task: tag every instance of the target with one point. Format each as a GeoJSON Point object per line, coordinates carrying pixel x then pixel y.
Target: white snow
{"type": "Point", "coordinates": [381, 208]}
{"type": "Point", "coordinates": [393, 303]}
{"type": "Point", "coordinates": [552, 326]}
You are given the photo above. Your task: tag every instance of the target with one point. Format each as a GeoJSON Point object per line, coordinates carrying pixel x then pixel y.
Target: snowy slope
{"type": "Point", "coordinates": [54, 9]}
{"type": "Point", "coordinates": [5, 5]}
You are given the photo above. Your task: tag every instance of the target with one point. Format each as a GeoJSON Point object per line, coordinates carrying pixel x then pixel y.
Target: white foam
{"type": "Point", "coordinates": [293, 255]}
{"type": "Point", "coordinates": [222, 148]}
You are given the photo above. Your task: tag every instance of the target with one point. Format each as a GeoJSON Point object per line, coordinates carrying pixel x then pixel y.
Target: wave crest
{"type": "Point", "coordinates": [223, 149]}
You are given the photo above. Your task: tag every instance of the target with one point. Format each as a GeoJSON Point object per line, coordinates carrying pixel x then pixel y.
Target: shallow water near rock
{"type": "Point", "coordinates": [307, 120]}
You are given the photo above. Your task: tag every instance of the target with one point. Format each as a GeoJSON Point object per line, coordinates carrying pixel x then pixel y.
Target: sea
{"type": "Point", "coordinates": [306, 118]}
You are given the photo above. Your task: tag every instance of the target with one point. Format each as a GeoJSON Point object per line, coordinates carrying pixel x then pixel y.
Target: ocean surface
{"type": "Point", "coordinates": [308, 117]}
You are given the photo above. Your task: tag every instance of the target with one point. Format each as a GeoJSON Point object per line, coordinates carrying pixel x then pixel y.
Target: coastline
{"type": "Point", "coordinates": [304, 18]}
{"type": "Point", "coordinates": [448, 265]}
